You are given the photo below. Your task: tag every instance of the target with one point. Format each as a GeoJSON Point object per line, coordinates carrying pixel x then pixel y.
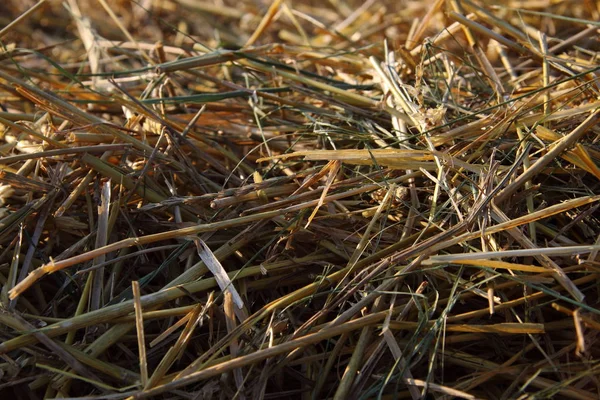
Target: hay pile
{"type": "Point", "coordinates": [299, 199]}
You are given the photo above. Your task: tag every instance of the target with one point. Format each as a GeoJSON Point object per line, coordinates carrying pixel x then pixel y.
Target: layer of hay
{"type": "Point", "coordinates": [299, 199]}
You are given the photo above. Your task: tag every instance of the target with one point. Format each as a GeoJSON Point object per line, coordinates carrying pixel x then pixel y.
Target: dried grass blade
{"type": "Point", "coordinates": [139, 325]}
{"type": "Point", "coordinates": [486, 255]}
{"type": "Point", "coordinates": [578, 156]}
{"type": "Point", "coordinates": [11, 280]}
{"type": "Point", "coordinates": [448, 391]}
{"type": "Point", "coordinates": [234, 346]}
{"type": "Point", "coordinates": [214, 265]}
{"type": "Point", "coordinates": [333, 167]}
{"type": "Point", "coordinates": [101, 241]}
{"type": "Point", "coordinates": [491, 34]}
{"type": "Point", "coordinates": [264, 23]}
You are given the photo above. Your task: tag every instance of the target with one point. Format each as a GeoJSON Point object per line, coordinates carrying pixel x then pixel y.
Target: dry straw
{"type": "Point", "coordinates": [312, 200]}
